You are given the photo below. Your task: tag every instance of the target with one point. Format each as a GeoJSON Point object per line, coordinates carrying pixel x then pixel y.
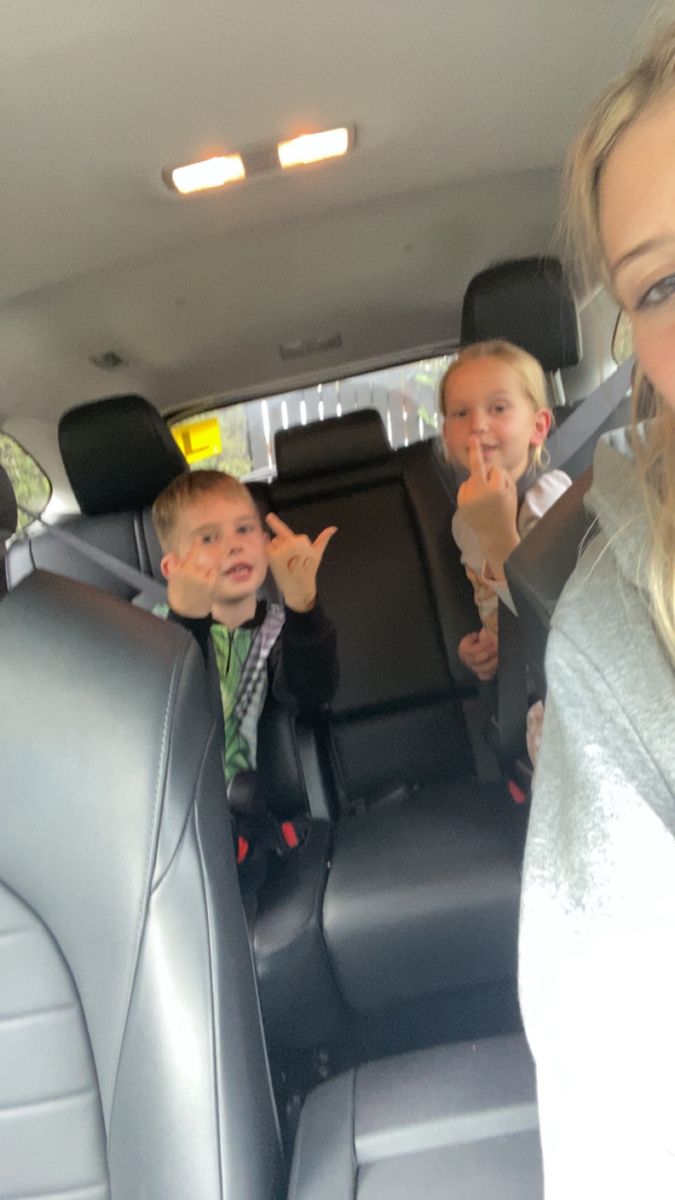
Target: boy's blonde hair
{"type": "Point", "coordinates": [185, 488]}
{"type": "Point", "coordinates": [648, 80]}
{"type": "Point", "coordinates": [526, 367]}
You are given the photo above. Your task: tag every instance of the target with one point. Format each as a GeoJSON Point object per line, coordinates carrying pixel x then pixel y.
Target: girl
{"type": "Point", "coordinates": [597, 967]}
{"type": "Point", "coordinates": [495, 422]}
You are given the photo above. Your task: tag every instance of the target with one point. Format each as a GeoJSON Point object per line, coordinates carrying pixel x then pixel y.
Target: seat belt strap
{"type": "Point", "coordinates": [588, 416]}
{"type": "Point", "coordinates": [149, 591]}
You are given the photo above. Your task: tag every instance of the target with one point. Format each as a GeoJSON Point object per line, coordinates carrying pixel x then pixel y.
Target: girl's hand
{"type": "Point", "coordinates": [489, 502]}
{"type": "Point", "coordinates": [294, 561]}
{"type": "Point", "coordinates": [479, 652]}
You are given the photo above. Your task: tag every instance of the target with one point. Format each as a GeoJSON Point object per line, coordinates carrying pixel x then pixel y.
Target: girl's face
{"type": "Point", "coordinates": [485, 402]}
{"type": "Point", "coordinates": [637, 227]}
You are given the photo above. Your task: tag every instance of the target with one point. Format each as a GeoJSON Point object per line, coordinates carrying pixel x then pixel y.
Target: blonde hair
{"type": "Point", "coordinates": [185, 488]}
{"type": "Point", "coordinates": [649, 79]}
{"type": "Point", "coordinates": [526, 367]}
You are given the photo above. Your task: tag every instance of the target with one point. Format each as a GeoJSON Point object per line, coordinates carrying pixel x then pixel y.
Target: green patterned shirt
{"type": "Point", "coordinates": [232, 648]}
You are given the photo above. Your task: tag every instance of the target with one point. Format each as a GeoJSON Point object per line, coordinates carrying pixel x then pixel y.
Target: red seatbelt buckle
{"type": "Point", "coordinates": [290, 834]}
{"type": "Point", "coordinates": [516, 793]}
{"type": "Point", "coordinates": [243, 847]}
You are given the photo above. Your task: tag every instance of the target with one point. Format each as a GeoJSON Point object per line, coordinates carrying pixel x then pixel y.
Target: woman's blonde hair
{"type": "Point", "coordinates": [526, 367]}
{"type": "Point", "coordinates": [649, 79]}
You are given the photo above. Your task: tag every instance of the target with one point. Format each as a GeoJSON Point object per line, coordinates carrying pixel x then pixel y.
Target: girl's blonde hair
{"type": "Point", "coordinates": [526, 367]}
{"type": "Point", "coordinates": [645, 82]}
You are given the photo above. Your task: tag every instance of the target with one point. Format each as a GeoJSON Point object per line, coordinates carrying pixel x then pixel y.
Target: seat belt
{"type": "Point", "coordinates": [149, 591]}
{"type": "Point", "coordinates": [588, 416]}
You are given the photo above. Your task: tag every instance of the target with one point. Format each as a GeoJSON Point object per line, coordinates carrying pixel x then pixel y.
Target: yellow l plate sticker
{"type": "Point", "coordinates": [198, 439]}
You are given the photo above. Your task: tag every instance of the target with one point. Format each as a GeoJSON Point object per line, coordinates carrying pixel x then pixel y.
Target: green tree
{"type": "Point", "coordinates": [31, 486]}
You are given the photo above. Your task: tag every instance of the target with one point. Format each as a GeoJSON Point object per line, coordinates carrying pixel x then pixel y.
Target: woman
{"type": "Point", "coordinates": [597, 958]}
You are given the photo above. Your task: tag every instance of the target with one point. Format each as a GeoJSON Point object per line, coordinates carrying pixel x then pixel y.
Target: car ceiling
{"type": "Point", "coordinates": [463, 112]}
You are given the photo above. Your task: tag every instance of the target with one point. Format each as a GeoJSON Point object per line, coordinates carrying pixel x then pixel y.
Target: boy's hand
{"type": "Point", "coordinates": [489, 502]}
{"type": "Point", "coordinates": [479, 652]}
{"type": "Point", "coordinates": [190, 584]}
{"type": "Point", "coordinates": [294, 561]}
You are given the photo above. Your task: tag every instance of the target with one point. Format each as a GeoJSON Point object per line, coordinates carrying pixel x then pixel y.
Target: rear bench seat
{"type": "Point", "coordinates": [422, 893]}
{"type": "Point", "coordinates": [413, 889]}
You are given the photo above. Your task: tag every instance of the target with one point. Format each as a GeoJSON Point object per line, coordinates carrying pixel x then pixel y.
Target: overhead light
{"type": "Point", "coordinates": [211, 173]}
{"type": "Point", "coordinates": [264, 158]}
{"type": "Point", "coordinates": [313, 147]}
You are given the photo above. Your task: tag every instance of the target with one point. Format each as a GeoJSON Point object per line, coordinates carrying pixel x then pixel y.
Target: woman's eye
{"type": "Point", "coordinates": [657, 293]}
{"type": "Point", "coordinates": [499, 408]}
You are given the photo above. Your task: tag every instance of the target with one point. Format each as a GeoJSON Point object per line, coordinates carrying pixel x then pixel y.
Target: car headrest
{"type": "Point", "coordinates": [8, 514]}
{"type": "Point", "coordinates": [355, 440]}
{"type": "Point", "coordinates": [118, 453]}
{"type": "Point", "coordinates": [528, 302]}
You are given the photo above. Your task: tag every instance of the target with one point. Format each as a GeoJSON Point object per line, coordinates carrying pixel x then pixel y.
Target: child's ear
{"type": "Point", "coordinates": [167, 564]}
{"type": "Point", "coordinates": [542, 425]}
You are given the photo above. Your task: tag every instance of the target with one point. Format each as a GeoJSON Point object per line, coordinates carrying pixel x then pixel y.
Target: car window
{"type": "Point", "coordinates": [239, 438]}
{"type": "Point", "coordinates": [31, 486]}
{"type": "Point", "coordinates": [622, 341]}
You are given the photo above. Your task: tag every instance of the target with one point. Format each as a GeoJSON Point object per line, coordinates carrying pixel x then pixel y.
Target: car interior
{"type": "Point", "coordinates": [351, 1030]}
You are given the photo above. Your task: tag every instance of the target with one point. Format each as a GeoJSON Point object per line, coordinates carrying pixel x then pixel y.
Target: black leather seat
{"type": "Point", "coordinates": [118, 454]}
{"type": "Point", "coordinates": [421, 898]}
{"type": "Point", "coordinates": [132, 1062]}
{"type": "Point", "coordinates": [422, 894]}
{"type": "Point", "coordinates": [131, 1059]}
{"type": "Point", "coordinates": [539, 568]}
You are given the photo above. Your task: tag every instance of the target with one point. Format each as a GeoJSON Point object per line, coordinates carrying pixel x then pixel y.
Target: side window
{"type": "Point", "coordinates": [622, 341]}
{"type": "Point", "coordinates": [31, 486]}
{"type": "Point", "coordinates": [239, 438]}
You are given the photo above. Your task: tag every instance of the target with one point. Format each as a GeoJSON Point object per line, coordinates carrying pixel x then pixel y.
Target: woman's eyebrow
{"type": "Point", "coordinates": [649, 244]}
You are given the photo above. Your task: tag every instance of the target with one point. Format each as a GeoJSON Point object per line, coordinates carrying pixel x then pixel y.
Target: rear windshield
{"type": "Point", "coordinates": [239, 439]}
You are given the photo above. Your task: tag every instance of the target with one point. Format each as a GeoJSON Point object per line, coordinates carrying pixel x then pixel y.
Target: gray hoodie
{"type": "Point", "coordinates": [597, 941]}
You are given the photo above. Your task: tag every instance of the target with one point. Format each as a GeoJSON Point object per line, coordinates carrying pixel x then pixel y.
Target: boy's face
{"type": "Point", "coordinates": [231, 539]}
{"type": "Point", "coordinates": [485, 401]}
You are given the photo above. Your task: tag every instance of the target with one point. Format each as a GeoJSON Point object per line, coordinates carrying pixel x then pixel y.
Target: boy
{"type": "Point", "coordinates": [215, 558]}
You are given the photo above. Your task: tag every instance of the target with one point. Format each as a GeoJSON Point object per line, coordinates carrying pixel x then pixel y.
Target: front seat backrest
{"type": "Point", "coordinates": [130, 1043]}
{"type": "Point", "coordinates": [540, 566]}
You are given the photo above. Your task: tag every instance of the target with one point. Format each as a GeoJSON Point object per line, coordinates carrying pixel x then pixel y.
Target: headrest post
{"type": "Point", "coordinates": [558, 389]}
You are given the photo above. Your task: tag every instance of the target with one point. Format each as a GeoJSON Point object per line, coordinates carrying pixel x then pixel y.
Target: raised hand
{"type": "Point", "coordinates": [489, 502]}
{"type": "Point", "coordinates": [191, 582]}
{"type": "Point", "coordinates": [294, 561]}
